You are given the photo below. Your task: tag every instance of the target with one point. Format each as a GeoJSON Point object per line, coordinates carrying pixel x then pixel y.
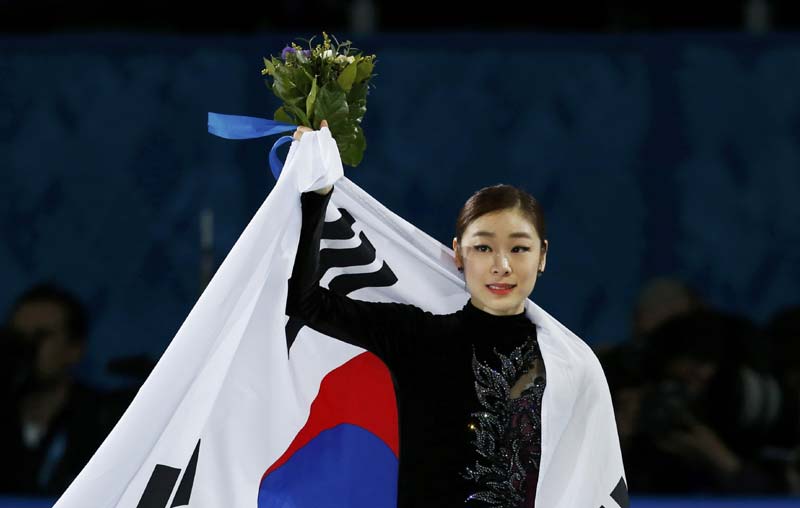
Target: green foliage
{"type": "Point", "coordinates": [327, 81]}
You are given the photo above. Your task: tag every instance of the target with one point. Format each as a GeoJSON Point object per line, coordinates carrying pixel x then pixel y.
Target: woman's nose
{"type": "Point", "coordinates": [500, 264]}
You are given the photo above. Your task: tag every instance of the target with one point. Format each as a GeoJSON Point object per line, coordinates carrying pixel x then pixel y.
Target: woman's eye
{"type": "Point", "coordinates": [520, 248]}
{"type": "Point", "coordinates": [482, 248]}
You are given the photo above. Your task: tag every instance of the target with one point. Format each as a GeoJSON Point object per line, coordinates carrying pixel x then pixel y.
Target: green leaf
{"type": "Point", "coordinates": [291, 85]}
{"type": "Point", "coordinates": [309, 76]}
{"type": "Point", "coordinates": [282, 116]}
{"type": "Point", "coordinates": [299, 114]}
{"type": "Point", "coordinates": [311, 99]}
{"type": "Point", "coordinates": [269, 66]}
{"type": "Point", "coordinates": [357, 102]}
{"type": "Point", "coordinates": [302, 80]}
{"type": "Point", "coordinates": [354, 153]}
{"type": "Point", "coordinates": [365, 68]}
{"type": "Point", "coordinates": [331, 105]}
{"type": "Point", "coordinates": [347, 77]}
{"type": "Point", "coordinates": [284, 87]}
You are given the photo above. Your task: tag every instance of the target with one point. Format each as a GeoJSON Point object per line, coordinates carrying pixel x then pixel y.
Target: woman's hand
{"type": "Point", "coordinates": [299, 134]}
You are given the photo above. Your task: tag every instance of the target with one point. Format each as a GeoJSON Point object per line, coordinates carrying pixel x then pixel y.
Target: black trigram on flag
{"type": "Point", "coordinates": [620, 495]}
{"type": "Point", "coordinates": [346, 283]}
{"type": "Point", "coordinates": [162, 482]}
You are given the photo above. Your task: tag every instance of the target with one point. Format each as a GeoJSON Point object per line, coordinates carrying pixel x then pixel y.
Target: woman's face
{"type": "Point", "coordinates": [501, 254]}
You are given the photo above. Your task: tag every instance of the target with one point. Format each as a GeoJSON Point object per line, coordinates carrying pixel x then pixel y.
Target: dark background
{"type": "Point", "coordinates": [663, 133]}
{"type": "Point", "coordinates": [407, 16]}
{"type": "Point", "coordinates": [662, 138]}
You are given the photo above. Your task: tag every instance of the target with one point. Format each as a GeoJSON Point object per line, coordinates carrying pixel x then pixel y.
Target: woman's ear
{"type": "Point", "coordinates": [543, 258]}
{"type": "Point", "coordinates": [458, 260]}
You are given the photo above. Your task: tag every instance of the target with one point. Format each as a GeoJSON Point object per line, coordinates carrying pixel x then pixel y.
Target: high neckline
{"type": "Point", "coordinates": [478, 316]}
{"type": "Point", "coordinates": [501, 332]}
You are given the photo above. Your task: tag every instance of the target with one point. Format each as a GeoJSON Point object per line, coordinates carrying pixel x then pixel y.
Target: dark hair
{"type": "Point", "coordinates": [76, 315]}
{"type": "Point", "coordinates": [501, 197]}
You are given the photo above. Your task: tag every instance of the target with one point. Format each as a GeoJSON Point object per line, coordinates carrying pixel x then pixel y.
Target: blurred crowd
{"type": "Point", "coordinates": [52, 422]}
{"type": "Point", "coordinates": [706, 401]}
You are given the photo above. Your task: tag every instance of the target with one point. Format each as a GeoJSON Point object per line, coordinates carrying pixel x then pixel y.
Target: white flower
{"type": "Point", "coordinates": [328, 53]}
{"type": "Point", "coordinates": [343, 59]}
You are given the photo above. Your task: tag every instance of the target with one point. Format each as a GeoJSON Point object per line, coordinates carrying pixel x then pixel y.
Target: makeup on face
{"type": "Point", "coordinates": [501, 259]}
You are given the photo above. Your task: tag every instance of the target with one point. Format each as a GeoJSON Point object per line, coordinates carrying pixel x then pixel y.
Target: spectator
{"type": "Point", "coordinates": [660, 299]}
{"type": "Point", "coordinates": [783, 332]}
{"type": "Point", "coordinates": [706, 412]}
{"type": "Point", "coordinates": [53, 423]}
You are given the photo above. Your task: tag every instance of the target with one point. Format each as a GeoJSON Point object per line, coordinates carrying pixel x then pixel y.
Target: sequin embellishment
{"type": "Point", "coordinates": [507, 431]}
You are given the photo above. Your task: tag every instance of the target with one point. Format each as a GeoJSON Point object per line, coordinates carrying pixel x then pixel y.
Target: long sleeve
{"type": "Point", "coordinates": [386, 329]}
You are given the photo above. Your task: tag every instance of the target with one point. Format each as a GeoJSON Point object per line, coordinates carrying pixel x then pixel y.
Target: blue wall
{"type": "Point", "coordinates": [676, 154]}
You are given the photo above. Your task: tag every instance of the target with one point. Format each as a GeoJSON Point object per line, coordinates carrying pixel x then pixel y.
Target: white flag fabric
{"type": "Point", "coordinates": [227, 418]}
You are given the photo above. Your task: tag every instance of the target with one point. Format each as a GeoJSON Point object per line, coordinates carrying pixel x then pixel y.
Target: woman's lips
{"type": "Point", "coordinates": [501, 289]}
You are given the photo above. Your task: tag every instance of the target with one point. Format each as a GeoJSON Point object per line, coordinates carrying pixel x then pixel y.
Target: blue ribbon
{"type": "Point", "coordinates": [250, 127]}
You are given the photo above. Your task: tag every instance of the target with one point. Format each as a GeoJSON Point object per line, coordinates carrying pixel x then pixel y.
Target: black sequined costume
{"type": "Point", "coordinates": [469, 385]}
{"type": "Point", "coordinates": [507, 429]}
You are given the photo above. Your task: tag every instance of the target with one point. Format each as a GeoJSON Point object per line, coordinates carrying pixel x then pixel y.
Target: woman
{"type": "Point", "coordinates": [469, 384]}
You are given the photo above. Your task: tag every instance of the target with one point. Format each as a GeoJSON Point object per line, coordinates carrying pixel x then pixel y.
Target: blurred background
{"type": "Point", "coordinates": [662, 138]}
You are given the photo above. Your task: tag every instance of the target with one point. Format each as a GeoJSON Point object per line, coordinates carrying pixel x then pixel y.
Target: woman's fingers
{"type": "Point", "coordinates": [299, 132]}
{"type": "Point", "coordinates": [302, 129]}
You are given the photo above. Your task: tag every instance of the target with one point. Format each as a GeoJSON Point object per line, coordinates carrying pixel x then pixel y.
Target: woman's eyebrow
{"type": "Point", "coordinates": [519, 234]}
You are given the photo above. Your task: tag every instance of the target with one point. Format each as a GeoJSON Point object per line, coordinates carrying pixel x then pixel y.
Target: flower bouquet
{"type": "Point", "coordinates": [327, 81]}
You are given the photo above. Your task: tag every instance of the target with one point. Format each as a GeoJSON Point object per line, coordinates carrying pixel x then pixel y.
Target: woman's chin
{"type": "Point", "coordinates": [498, 307]}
